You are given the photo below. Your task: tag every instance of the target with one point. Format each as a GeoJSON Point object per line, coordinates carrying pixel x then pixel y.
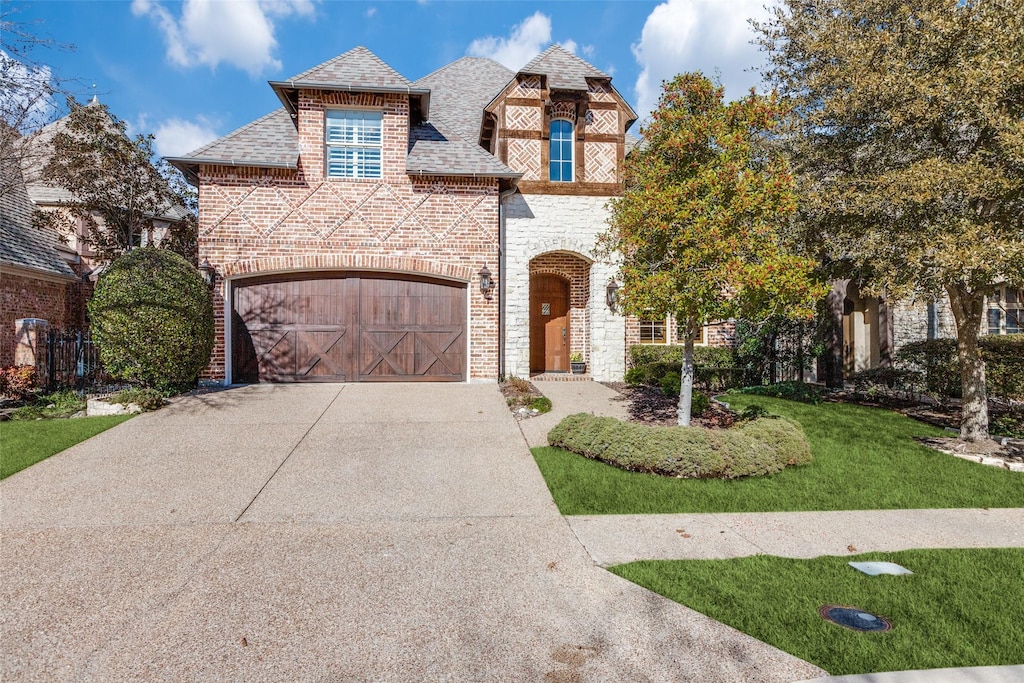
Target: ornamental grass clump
{"type": "Point", "coordinates": [760, 446]}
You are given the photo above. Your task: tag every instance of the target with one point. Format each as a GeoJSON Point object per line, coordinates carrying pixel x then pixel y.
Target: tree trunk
{"type": "Point", "coordinates": [686, 381]}
{"type": "Point", "coordinates": [968, 308]}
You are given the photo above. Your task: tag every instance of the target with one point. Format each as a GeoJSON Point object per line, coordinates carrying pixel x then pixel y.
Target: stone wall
{"type": "Point", "coordinates": [255, 221]}
{"type": "Point", "coordinates": [910, 321]}
{"type": "Point", "coordinates": [539, 224]}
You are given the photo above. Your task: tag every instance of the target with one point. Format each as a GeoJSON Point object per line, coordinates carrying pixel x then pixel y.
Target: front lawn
{"type": "Point", "coordinates": [959, 608]}
{"type": "Point", "coordinates": [26, 442]}
{"type": "Point", "coordinates": [864, 459]}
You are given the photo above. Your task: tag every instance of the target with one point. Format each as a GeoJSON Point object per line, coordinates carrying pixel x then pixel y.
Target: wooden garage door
{"type": "Point", "coordinates": [348, 328]}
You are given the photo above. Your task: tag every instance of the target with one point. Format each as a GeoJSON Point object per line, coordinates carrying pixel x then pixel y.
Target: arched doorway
{"type": "Point", "coordinates": [550, 336]}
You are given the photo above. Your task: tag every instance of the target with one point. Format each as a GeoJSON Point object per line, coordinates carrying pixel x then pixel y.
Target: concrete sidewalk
{"type": "Point", "coordinates": [616, 539]}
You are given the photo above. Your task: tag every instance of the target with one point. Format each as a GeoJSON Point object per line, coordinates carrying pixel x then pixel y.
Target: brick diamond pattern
{"type": "Point", "coordinates": [264, 209]}
{"type": "Point", "coordinates": [325, 210]}
{"type": "Point", "coordinates": [524, 157]}
{"type": "Point", "coordinates": [600, 160]}
{"type": "Point", "coordinates": [522, 118]}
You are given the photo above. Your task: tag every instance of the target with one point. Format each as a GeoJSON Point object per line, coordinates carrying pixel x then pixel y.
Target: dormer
{"type": "Point", "coordinates": [561, 123]}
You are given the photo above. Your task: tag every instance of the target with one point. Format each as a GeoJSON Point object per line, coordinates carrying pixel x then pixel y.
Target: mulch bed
{"type": "Point", "coordinates": [650, 406]}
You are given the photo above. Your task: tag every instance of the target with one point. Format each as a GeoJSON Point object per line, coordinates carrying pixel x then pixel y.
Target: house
{"type": "Point", "coordinates": [374, 228]}
{"type": "Point", "coordinates": [47, 272]}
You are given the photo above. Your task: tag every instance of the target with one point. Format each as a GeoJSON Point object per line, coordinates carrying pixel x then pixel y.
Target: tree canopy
{"type": "Point", "coordinates": [907, 136]}
{"type": "Point", "coordinates": [699, 226]}
{"type": "Point", "coordinates": [115, 187]}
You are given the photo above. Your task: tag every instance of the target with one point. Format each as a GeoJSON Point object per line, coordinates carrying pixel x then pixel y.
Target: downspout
{"type": "Point", "coordinates": [502, 277]}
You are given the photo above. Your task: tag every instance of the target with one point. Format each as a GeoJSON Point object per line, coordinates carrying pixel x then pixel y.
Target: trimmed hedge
{"type": "Point", "coordinates": [936, 368]}
{"type": "Point", "coordinates": [756, 447]}
{"type": "Point", "coordinates": [152, 318]}
{"type": "Point", "coordinates": [714, 366]}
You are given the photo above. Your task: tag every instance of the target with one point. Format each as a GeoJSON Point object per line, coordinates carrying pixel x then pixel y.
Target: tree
{"type": "Point", "coordinates": [115, 187]}
{"type": "Point", "coordinates": [28, 95]}
{"type": "Point", "coordinates": [907, 136]}
{"type": "Point", "coordinates": [698, 228]}
{"type": "Point", "coordinates": [152, 319]}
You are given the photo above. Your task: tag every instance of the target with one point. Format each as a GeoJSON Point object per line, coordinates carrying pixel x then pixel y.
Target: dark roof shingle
{"type": "Point", "coordinates": [358, 68]}
{"type": "Point", "coordinates": [269, 141]}
{"type": "Point", "coordinates": [435, 149]}
{"type": "Point", "coordinates": [565, 71]}
{"type": "Point", "coordinates": [22, 244]}
{"type": "Point", "coordinates": [459, 92]}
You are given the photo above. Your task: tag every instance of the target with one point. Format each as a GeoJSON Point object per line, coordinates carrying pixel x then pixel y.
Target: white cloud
{"type": "Point", "coordinates": [370, 11]}
{"type": "Point", "coordinates": [526, 41]}
{"type": "Point", "coordinates": [698, 35]}
{"type": "Point", "coordinates": [176, 137]}
{"type": "Point", "coordinates": [570, 45]}
{"type": "Point", "coordinates": [236, 32]}
{"type": "Point", "coordinates": [28, 102]}
{"type": "Point", "coordinates": [588, 51]}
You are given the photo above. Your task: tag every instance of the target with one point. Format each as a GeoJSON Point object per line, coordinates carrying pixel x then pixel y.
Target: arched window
{"type": "Point", "coordinates": [560, 158]}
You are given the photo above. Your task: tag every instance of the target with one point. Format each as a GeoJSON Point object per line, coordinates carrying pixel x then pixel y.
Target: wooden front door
{"type": "Point", "coordinates": [338, 327]}
{"type": "Point", "coordinates": [549, 324]}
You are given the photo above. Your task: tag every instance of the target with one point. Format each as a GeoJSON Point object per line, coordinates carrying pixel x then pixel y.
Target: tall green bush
{"type": "Point", "coordinates": [936, 364]}
{"type": "Point", "coordinates": [714, 365]}
{"type": "Point", "coordinates": [152, 318]}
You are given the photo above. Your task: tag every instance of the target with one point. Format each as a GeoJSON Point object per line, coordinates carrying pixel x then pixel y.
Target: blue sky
{"type": "Point", "coordinates": [195, 70]}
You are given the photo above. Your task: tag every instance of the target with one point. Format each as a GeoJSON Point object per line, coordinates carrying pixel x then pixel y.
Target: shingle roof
{"type": "Point", "coordinates": [435, 149]}
{"type": "Point", "coordinates": [358, 68]}
{"type": "Point", "coordinates": [21, 244]}
{"type": "Point", "coordinates": [565, 71]}
{"type": "Point", "coordinates": [459, 92]}
{"type": "Point", "coordinates": [269, 141]}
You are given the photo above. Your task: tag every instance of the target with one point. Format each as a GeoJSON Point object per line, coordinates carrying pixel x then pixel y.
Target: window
{"type": "Point", "coordinates": [653, 331]}
{"type": "Point", "coordinates": [353, 143]}
{"type": "Point", "coordinates": [700, 340]}
{"type": "Point", "coordinates": [560, 158]}
{"type": "Point", "coordinates": [1006, 311]}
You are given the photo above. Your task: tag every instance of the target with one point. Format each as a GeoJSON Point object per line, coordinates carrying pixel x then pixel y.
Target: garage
{"type": "Point", "coordinates": [348, 327]}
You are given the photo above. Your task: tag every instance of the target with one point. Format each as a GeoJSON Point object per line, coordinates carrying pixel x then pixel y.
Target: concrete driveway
{"type": "Point", "coordinates": [328, 533]}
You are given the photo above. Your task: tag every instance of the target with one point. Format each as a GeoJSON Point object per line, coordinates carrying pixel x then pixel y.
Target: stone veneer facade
{"type": "Point", "coordinates": [259, 221]}
{"type": "Point", "coordinates": [558, 234]}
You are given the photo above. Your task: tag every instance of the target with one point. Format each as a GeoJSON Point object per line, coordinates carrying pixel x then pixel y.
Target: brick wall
{"type": "Point", "coordinates": [269, 220]}
{"type": "Point", "coordinates": [25, 297]}
{"type": "Point", "coordinates": [577, 272]}
{"type": "Point", "coordinates": [717, 334]}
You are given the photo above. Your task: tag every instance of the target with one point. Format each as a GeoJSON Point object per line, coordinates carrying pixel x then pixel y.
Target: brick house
{"type": "Point", "coordinates": [374, 228]}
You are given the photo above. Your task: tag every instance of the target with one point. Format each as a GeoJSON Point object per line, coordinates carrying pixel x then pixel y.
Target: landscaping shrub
{"type": "Point", "coordinates": [713, 365]}
{"type": "Point", "coordinates": [884, 381]}
{"type": "Point", "coordinates": [756, 447]}
{"type": "Point", "coordinates": [147, 399]}
{"type": "Point", "coordinates": [793, 391]}
{"type": "Point", "coordinates": [17, 381]}
{"type": "Point", "coordinates": [936, 363]}
{"type": "Point", "coordinates": [542, 404]}
{"type": "Point", "coordinates": [1004, 364]}
{"type": "Point", "coordinates": [152, 318]}
{"type": "Point", "coordinates": [62, 403]}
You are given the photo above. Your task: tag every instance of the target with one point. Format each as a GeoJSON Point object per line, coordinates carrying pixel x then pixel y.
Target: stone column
{"type": "Point", "coordinates": [30, 345]}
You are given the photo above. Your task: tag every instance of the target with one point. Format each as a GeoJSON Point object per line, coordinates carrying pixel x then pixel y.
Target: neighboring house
{"type": "Point", "coordinates": [47, 273]}
{"type": "Point", "coordinates": [375, 228]}
{"type": "Point", "coordinates": [40, 277]}
{"type": "Point", "coordinates": [871, 330]}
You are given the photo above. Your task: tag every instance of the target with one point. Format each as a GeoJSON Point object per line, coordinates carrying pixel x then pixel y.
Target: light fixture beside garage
{"type": "Point", "coordinates": [208, 272]}
{"type": "Point", "coordinates": [486, 283]}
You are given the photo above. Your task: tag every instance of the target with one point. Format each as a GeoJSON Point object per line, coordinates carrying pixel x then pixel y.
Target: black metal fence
{"type": "Point", "coordinates": [72, 361]}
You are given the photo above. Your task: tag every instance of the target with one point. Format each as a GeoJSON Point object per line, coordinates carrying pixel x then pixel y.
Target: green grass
{"type": "Point", "coordinates": [960, 608]}
{"type": "Point", "coordinates": [864, 459]}
{"type": "Point", "coordinates": [26, 442]}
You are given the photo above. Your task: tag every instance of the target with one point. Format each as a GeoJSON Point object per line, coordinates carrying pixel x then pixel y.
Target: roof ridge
{"type": "Point", "coordinates": [557, 47]}
{"type": "Point", "coordinates": [462, 59]}
{"type": "Point", "coordinates": [358, 49]}
{"type": "Point", "coordinates": [222, 138]}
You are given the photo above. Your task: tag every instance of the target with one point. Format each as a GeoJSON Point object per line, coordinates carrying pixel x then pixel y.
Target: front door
{"type": "Point", "coordinates": [549, 324]}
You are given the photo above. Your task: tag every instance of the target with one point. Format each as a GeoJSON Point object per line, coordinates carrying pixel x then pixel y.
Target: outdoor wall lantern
{"type": "Point", "coordinates": [612, 294]}
{"type": "Point", "coordinates": [486, 283]}
{"type": "Point", "coordinates": [208, 272]}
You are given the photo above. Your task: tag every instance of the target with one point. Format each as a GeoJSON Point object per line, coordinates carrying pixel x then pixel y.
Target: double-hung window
{"type": "Point", "coordinates": [353, 143]}
{"type": "Point", "coordinates": [560, 157]}
{"type": "Point", "coordinates": [1006, 311]}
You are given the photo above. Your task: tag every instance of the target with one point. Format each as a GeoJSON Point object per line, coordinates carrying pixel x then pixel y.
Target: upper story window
{"type": "Point", "coordinates": [353, 140]}
{"type": "Point", "coordinates": [1006, 311]}
{"type": "Point", "coordinates": [561, 145]}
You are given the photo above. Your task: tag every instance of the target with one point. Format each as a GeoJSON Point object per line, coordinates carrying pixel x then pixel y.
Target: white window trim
{"type": "Point", "coordinates": [329, 145]}
{"type": "Point", "coordinates": [572, 151]}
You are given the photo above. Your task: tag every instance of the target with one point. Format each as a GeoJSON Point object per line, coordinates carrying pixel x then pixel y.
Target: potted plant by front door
{"type": "Point", "coordinates": [576, 363]}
